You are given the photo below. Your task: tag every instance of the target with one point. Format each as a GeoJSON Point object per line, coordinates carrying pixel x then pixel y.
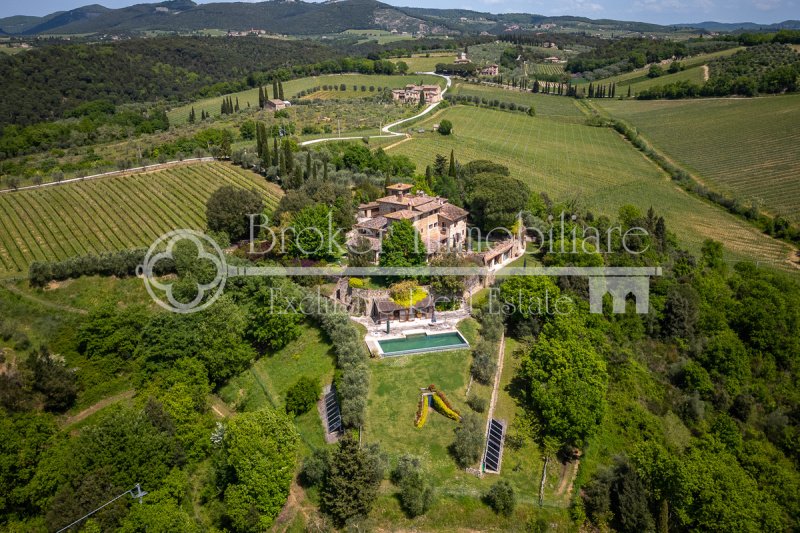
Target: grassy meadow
{"type": "Point", "coordinates": [595, 166]}
{"type": "Point", "coordinates": [115, 213]}
{"type": "Point", "coordinates": [291, 88]}
{"type": "Point", "coordinates": [746, 148]}
{"type": "Point", "coordinates": [546, 105]}
{"type": "Point", "coordinates": [426, 62]}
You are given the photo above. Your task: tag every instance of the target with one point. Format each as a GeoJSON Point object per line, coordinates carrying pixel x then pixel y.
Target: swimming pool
{"type": "Point", "coordinates": [423, 342]}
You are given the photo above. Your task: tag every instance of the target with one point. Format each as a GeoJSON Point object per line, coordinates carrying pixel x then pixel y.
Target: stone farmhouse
{"type": "Point", "coordinates": [490, 70]}
{"type": "Point", "coordinates": [410, 94]}
{"type": "Point", "coordinates": [441, 225]}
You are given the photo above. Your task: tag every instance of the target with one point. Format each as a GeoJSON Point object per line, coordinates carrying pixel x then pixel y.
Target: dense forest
{"type": "Point", "coordinates": [49, 81]}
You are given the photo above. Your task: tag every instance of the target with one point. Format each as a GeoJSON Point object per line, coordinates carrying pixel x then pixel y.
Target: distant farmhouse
{"type": "Point", "coordinates": [276, 105]}
{"type": "Point", "coordinates": [410, 94]}
{"type": "Point", "coordinates": [461, 59]}
{"type": "Point", "coordinates": [441, 225]}
{"type": "Point", "coordinates": [490, 70]}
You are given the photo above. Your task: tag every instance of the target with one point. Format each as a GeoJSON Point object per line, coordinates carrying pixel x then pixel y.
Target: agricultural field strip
{"type": "Point", "coordinates": [55, 243]}
{"type": "Point", "coordinates": [131, 194]}
{"type": "Point", "coordinates": [98, 197]}
{"type": "Point", "coordinates": [757, 167]}
{"type": "Point", "coordinates": [52, 219]}
{"type": "Point", "coordinates": [105, 214]}
{"type": "Point", "coordinates": [23, 238]}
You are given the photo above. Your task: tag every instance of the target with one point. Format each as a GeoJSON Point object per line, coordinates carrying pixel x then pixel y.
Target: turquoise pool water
{"type": "Point", "coordinates": [421, 342]}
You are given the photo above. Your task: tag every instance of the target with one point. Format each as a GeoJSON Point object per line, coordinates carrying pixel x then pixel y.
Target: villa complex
{"type": "Point", "coordinates": [441, 225]}
{"type": "Point", "coordinates": [410, 94]}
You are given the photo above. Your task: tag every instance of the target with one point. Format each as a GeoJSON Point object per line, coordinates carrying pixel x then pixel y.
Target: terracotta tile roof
{"type": "Point", "coordinates": [370, 205]}
{"type": "Point", "coordinates": [373, 223]}
{"type": "Point", "coordinates": [452, 212]}
{"type": "Point", "coordinates": [402, 214]}
{"type": "Point", "coordinates": [375, 244]}
{"type": "Point", "coordinates": [391, 199]}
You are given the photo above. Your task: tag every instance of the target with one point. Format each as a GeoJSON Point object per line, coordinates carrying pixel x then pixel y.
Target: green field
{"type": "Point", "coordinates": [744, 147]}
{"type": "Point", "coordinates": [420, 63]}
{"type": "Point", "coordinates": [563, 109]}
{"type": "Point", "coordinates": [180, 115]}
{"type": "Point", "coordinates": [113, 213]}
{"type": "Point", "coordinates": [380, 36]}
{"type": "Point", "coordinates": [593, 165]}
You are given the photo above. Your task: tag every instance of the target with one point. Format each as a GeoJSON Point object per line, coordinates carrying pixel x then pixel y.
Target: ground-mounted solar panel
{"type": "Point", "coordinates": [333, 417]}
{"type": "Point", "coordinates": [494, 446]}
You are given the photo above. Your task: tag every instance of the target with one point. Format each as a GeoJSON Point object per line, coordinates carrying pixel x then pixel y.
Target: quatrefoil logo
{"type": "Point", "coordinates": [162, 250]}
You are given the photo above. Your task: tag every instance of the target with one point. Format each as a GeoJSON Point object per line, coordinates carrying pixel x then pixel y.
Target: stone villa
{"type": "Point", "coordinates": [410, 94]}
{"type": "Point", "coordinates": [441, 225]}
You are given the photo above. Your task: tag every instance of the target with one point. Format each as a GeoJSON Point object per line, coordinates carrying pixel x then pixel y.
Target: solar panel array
{"type": "Point", "coordinates": [332, 412]}
{"type": "Point", "coordinates": [494, 446]}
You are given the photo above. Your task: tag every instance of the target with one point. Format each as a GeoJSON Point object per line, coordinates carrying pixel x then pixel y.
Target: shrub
{"type": "Point", "coordinates": [501, 498]}
{"type": "Point", "coordinates": [407, 293]}
{"type": "Point", "coordinates": [468, 443]}
{"type": "Point", "coordinates": [442, 408]}
{"type": "Point", "coordinates": [483, 365]}
{"type": "Point", "coordinates": [445, 127]}
{"type": "Point", "coordinates": [356, 283]}
{"type": "Point", "coordinates": [315, 467]}
{"type": "Point", "coordinates": [302, 396]}
{"type": "Point", "coordinates": [477, 403]}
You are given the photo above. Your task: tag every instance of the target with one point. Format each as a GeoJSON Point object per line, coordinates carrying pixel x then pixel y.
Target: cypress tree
{"type": "Point", "coordinates": [274, 88]}
{"type": "Point", "coordinates": [237, 104]}
{"type": "Point", "coordinates": [629, 91]}
{"type": "Point", "coordinates": [280, 90]}
{"type": "Point", "coordinates": [259, 142]}
{"type": "Point", "coordinates": [314, 171]}
{"type": "Point", "coordinates": [287, 156]}
{"type": "Point", "coordinates": [452, 171]}
{"type": "Point", "coordinates": [308, 165]}
{"type": "Point", "coordinates": [282, 170]}
{"type": "Point", "coordinates": [275, 152]}
{"type": "Point", "coordinates": [421, 98]}
{"type": "Point", "coordinates": [324, 171]}
{"type": "Point", "coordinates": [591, 90]}
{"type": "Point", "coordinates": [191, 116]}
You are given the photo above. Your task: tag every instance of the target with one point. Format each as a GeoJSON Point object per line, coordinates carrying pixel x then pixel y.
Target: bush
{"type": "Point", "coordinates": [483, 365]}
{"type": "Point", "coordinates": [302, 396]}
{"type": "Point", "coordinates": [422, 412]}
{"type": "Point", "coordinates": [468, 443]}
{"type": "Point", "coordinates": [501, 498]}
{"type": "Point", "coordinates": [477, 403]}
{"type": "Point", "coordinates": [315, 468]}
{"type": "Point", "coordinates": [356, 283]}
{"type": "Point", "coordinates": [445, 127]}
{"type": "Point", "coordinates": [441, 406]}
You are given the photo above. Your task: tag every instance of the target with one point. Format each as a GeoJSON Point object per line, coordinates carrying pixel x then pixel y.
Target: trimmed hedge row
{"type": "Point", "coordinates": [121, 264]}
{"type": "Point", "coordinates": [352, 377]}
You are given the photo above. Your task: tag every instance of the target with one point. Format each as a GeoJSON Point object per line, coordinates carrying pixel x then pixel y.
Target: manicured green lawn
{"type": "Point", "coordinates": [391, 408]}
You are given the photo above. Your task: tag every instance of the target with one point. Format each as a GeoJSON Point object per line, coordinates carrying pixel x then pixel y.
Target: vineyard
{"type": "Point", "coordinates": [548, 69]}
{"type": "Point", "coordinates": [745, 148]}
{"type": "Point", "coordinates": [249, 98]}
{"type": "Point", "coordinates": [115, 213]}
{"type": "Point", "coordinates": [594, 166]}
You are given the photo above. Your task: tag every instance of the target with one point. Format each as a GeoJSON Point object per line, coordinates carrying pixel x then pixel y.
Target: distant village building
{"type": "Point", "coordinates": [490, 70]}
{"type": "Point", "coordinates": [442, 226]}
{"type": "Point", "coordinates": [276, 105]}
{"type": "Point", "coordinates": [461, 59]}
{"type": "Point", "coordinates": [552, 59]}
{"type": "Point", "coordinates": [410, 94]}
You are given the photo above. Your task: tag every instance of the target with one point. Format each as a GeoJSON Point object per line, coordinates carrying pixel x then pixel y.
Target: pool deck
{"type": "Point", "coordinates": [445, 321]}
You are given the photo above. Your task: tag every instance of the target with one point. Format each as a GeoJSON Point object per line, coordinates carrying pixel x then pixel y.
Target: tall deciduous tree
{"type": "Point", "coordinates": [402, 247]}
{"type": "Point", "coordinates": [229, 209]}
